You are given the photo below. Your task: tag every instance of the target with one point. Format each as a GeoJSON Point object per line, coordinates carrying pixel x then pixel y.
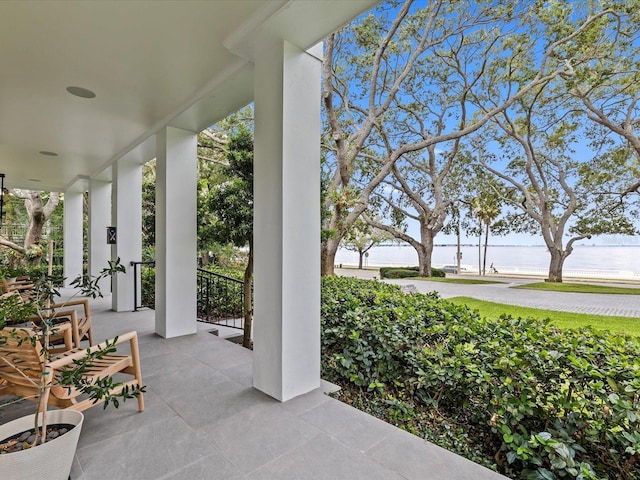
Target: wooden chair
{"type": "Point", "coordinates": [22, 285]}
{"type": "Point", "coordinates": [78, 313]}
{"type": "Point", "coordinates": [24, 350]}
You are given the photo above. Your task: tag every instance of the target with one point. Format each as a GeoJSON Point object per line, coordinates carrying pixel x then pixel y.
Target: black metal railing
{"type": "Point", "coordinates": [144, 284]}
{"type": "Point", "coordinates": [220, 299]}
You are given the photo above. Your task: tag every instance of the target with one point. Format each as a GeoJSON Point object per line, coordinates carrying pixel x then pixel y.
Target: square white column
{"type": "Point", "coordinates": [126, 216]}
{"type": "Point", "coordinates": [176, 231]}
{"type": "Point", "coordinates": [73, 236]}
{"type": "Point", "coordinates": [99, 220]}
{"type": "Point", "coordinates": [286, 359]}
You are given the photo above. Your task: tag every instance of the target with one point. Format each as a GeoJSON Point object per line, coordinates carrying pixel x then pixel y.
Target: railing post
{"type": "Point", "coordinates": [135, 286]}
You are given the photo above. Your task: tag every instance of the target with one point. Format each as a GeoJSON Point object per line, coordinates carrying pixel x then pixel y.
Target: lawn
{"type": "Point", "coordinates": [627, 325]}
{"type": "Point", "coordinates": [579, 288]}
{"type": "Point", "coordinates": [468, 281]}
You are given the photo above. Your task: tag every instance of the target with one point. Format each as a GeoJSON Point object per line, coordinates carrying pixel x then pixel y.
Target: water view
{"type": "Point", "coordinates": [614, 261]}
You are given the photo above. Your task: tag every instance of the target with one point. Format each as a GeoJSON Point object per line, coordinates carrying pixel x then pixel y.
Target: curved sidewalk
{"type": "Point", "coordinates": [599, 304]}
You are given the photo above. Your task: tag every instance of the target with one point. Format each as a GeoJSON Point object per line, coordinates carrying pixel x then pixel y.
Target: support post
{"type": "Point", "coordinates": [176, 242]}
{"type": "Point", "coordinates": [127, 218]}
{"type": "Point", "coordinates": [73, 237]}
{"type": "Point", "coordinates": [286, 360]}
{"type": "Point", "coordinates": [99, 220]}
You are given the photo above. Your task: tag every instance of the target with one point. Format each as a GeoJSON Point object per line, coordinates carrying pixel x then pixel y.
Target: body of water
{"type": "Point", "coordinates": [614, 261]}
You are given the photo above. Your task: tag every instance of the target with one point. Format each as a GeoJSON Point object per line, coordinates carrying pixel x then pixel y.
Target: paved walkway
{"type": "Point", "coordinates": [600, 304]}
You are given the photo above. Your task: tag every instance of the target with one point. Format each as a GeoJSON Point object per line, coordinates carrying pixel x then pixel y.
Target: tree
{"type": "Point", "coordinates": [362, 237]}
{"type": "Point", "coordinates": [213, 145]}
{"type": "Point", "coordinates": [486, 208]}
{"type": "Point", "coordinates": [608, 92]}
{"type": "Point", "coordinates": [231, 204]}
{"type": "Point", "coordinates": [149, 206]}
{"type": "Point", "coordinates": [400, 81]}
{"type": "Point", "coordinates": [552, 185]}
{"type": "Point", "coordinates": [39, 208]}
{"type": "Point", "coordinates": [408, 195]}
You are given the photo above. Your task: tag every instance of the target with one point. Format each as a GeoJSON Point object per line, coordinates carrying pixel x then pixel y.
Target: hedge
{"type": "Point", "coordinates": [518, 395]}
{"type": "Point", "coordinates": [407, 272]}
{"type": "Point", "coordinates": [34, 272]}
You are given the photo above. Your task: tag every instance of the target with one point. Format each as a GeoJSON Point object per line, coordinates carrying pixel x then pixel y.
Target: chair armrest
{"type": "Point", "coordinates": [67, 333]}
{"type": "Point", "coordinates": [73, 316]}
{"type": "Point", "coordinates": [72, 303]}
{"type": "Point", "coordinates": [131, 337]}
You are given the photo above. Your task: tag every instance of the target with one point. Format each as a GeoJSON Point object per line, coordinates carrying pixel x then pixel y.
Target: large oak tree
{"type": "Point", "coordinates": [39, 207]}
{"type": "Point", "coordinates": [402, 80]}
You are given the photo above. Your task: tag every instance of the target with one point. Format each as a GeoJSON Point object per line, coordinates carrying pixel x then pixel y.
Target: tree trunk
{"type": "Point", "coordinates": [248, 299]}
{"type": "Point", "coordinates": [361, 254]}
{"type": "Point", "coordinates": [486, 242]}
{"type": "Point", "coordinates": [38, 215]}
{"type": "Point", "coordinates": [425, 252]}
{"type": "Point", "coordinates": [480, 249]}
{"type": "Point", "coordinates": [328, 258]}
{"type": "Point", "coordinates": [556, 265]}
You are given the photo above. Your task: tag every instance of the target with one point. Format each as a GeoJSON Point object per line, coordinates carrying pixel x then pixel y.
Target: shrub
{"type": "Point", "coordinates": [406, 272]}
{"type": "Point", "coordinates": [35, 272]}
{"type": "Point", "coordinates": [219, 297]}
{"type": "Point", "coordinates": [533, 400]}
{"type": "Point", "coordinates": [148, 286]}
{"type": "Point", "coordinates": [235, 273]}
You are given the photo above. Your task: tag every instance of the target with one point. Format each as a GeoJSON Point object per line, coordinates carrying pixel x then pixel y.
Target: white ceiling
{"type": "Point", "coordinates": [150, 63]}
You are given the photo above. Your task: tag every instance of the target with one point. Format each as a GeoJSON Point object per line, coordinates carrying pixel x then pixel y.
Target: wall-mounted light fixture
{"type": "Point", "coordinates": [1, 197]}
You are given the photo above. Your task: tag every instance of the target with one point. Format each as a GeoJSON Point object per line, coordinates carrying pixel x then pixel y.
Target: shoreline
{"type": "Point", "coordinates": [369, 271]}
{"type": "Point", "coordinates": [601, 262]}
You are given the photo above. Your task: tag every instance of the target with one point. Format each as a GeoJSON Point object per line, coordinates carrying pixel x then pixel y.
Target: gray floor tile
{"type": "Point", "coordinates": [101, 424]}
{"type": "Point", "coordinates": [321, 458]}
{"type": "Point", "coordinates": [174, 383]}
{"type": "Point", "coordinates": [416, 459]}
{"type": "Point", "coordinates": [212, 467]}
{"type": "Point", "coordinates": [152, 452]}
{"type": "Point", "coordinates": [165, 363]}
{"type": "Point", "coordinates": [227, 358]}
{"type": "Point", "coordinates": [306, 402]}
{"type": "Point", "coordinates": [219, 401]}
{"type": "Point", "coordinates": [349, 425]}
{"type": "Point", "coordinates": [255, 436]}
{"type": "Point", "coordinates": [243, 374]}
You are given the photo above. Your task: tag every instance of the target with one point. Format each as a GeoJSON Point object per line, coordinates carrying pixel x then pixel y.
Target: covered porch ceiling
{"type": "Point", "coordinates": [184, 64]}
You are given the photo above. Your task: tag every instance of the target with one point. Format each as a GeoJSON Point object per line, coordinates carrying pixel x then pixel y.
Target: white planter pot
{"type": "Point", "coordinates": [49, 461]}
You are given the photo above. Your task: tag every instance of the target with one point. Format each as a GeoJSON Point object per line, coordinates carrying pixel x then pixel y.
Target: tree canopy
{"type": "Point", "coordinates": [409, 87]}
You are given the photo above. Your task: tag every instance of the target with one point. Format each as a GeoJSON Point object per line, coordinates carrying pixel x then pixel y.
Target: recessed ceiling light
{"type": "Point", "coordinates": [48, 154]}
{"type": "Point", "coordinates": [81, 92]}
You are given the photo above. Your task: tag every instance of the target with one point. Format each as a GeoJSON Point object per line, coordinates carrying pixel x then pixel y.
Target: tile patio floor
{"type": "Point", "coordinates": [203, 420]}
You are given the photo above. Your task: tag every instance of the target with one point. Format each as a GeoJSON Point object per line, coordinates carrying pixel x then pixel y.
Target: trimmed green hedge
{"type": "Point", "coordinates": [34, 272]}
{"type": "Point", "coordinates": [407, 272]}
{"type": "Point", "coordinates": [517, 395]}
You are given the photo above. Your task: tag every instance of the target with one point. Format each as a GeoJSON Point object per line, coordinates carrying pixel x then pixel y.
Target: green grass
{"type": "Point", "coordinates": [627, 325]}
{"type": "Point", "coordinates": [579, 288]}
{"type": "Point", "coordinates": [469, 281]}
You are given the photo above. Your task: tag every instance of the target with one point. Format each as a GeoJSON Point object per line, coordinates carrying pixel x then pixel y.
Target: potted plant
{"type": "Point", "coordinates": [31, 449]}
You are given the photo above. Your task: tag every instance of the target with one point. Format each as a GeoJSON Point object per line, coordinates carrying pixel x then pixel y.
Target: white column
{"type": "Point", "coordinates": [286, 359]}
{"type": "Point", "coordinates": [176, 195]}
{"type": "Point", "coordinates": [72, 214]}
{"type": "Point", "coordinates": [126, 216]}
{"type": "Point", "coordinates": [99, 220]}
